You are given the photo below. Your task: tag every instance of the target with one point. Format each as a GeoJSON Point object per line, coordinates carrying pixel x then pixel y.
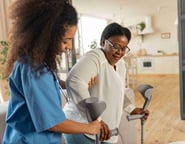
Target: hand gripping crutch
{"type": "Point", "coordinates": [146, 91]}
{"type": "Point", "coordinates": [94, 109]}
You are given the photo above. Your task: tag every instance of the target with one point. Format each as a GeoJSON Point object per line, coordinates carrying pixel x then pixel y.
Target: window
{"type": "Point", "coordinates": [89, 30]}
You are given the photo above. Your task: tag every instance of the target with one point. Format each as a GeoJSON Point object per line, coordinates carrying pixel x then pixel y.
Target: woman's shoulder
{"type": "Point", "coordinates": [96, 53]}
{"type": "Point", "coordinates": [26, 68]}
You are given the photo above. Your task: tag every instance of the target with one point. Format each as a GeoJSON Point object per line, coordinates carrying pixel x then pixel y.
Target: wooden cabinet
{"type": "Point", "coordinates": [158, 65]}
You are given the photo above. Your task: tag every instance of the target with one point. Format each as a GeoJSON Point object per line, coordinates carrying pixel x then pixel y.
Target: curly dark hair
{"type": "Point", "coordinates": [114, 29]}
{"type": "Point", "coordinates": [38, 27]}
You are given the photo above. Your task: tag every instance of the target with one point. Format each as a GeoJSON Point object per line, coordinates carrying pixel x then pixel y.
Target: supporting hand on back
{"type": "Point", "coordinates": [91, 82]}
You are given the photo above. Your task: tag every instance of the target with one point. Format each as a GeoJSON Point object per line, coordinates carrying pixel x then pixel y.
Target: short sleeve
{"type": "Point", "coordinates": [43, 99]}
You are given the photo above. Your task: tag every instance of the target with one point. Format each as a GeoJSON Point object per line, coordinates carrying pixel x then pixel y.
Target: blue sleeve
{"type": "Point", "coordinates": [43, 99]}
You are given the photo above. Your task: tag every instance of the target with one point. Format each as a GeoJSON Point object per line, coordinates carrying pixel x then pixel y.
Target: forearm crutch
{"type": "Point", "coordinates": [146, 91]}
{"type": "Point", "coordinates": [94, 109]}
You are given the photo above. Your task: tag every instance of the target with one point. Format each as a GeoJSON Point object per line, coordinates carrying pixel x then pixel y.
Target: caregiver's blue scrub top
{"type": "Point", "coordinates": [34, 107]}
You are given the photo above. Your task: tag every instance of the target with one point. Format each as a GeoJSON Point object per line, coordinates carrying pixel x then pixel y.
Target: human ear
{"type": "Point", "coordinates": [103, 43]}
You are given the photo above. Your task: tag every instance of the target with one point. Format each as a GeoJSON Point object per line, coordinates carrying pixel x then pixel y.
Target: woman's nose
{"type": "Point", "coordinates": [69, 45]}
{"type": "Point", "coordinates": [120, 51]}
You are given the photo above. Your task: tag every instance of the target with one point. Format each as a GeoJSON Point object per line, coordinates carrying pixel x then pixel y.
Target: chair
{"type": "Point", "coordinates": [1, 96]}
{"type": "Point", "coordinates": [3, 110]}
{"type": "Point", "coordinates": [131, 72]}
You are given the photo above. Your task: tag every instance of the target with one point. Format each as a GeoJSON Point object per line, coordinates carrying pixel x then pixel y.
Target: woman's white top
{"type": "Point", "coordinates": [109, 87]}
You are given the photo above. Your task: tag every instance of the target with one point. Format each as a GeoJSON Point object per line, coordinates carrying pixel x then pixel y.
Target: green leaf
{"type": "Point", "coordinates": [140, 26]}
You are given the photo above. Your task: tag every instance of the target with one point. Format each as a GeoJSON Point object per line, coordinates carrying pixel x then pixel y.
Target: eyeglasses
{"type": "Point", "coordinates": [117, 47]}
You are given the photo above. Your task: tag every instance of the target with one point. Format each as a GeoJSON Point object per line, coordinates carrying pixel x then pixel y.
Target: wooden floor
{"type": "Point", "coordinates": [164, 124]}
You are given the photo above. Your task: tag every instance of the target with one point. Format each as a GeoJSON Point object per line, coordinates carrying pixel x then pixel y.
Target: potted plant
{"type": "Point", "coordinates": [93, 44]}
{"type": "Point", "coordinates": [140, 27]}
{"type": "Point", "coordinates": [3, 79]}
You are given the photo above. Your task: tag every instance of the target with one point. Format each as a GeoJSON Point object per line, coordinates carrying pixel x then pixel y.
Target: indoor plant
{"type": "Point", "coordinates": [3, 79]}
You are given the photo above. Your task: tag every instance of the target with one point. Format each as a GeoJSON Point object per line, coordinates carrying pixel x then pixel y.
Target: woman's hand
{"type": "Point", "coordinates": [94, 127]}
{"type": "Point", "coordinates": [105, 133]}
{"type": "Point", "coordinates": [140, 111]}
{"type": "Point", "coordinates": [62, 84]}
{"type": "Point", "coordinates": [91, 82]}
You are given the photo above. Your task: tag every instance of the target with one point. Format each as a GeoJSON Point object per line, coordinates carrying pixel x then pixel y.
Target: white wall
{"type": "Point", "coordinates": [163, 22]}
{"type": "Point", "coordinates": [164, 14]}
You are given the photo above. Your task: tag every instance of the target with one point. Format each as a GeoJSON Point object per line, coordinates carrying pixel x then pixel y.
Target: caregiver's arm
{"type": "Point", "coordinates": [69, 126]}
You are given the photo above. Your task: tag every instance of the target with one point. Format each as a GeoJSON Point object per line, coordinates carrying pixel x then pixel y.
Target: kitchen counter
{"type": "Point", "coordinates": [158, 64]}
{"type": "Point", "coordinates": [159, 55]}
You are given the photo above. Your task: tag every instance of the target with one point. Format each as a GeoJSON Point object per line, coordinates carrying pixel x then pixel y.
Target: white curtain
{"type": "Point", "coordinates": [4, 24]}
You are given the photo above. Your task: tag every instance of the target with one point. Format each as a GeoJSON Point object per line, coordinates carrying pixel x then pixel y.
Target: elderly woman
{"type": "Point", "coordinates": [107, 65]}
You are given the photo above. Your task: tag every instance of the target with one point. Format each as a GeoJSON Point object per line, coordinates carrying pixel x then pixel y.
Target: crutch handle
{"type": "Point", "coordinates": [136, 116]}
{"type": "Point", "coordinates": [114, 132]}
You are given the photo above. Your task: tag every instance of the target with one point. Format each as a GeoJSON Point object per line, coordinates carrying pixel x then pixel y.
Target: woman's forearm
{"type": "Point", "coordinates": [69, 126]}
